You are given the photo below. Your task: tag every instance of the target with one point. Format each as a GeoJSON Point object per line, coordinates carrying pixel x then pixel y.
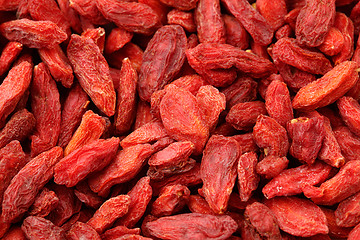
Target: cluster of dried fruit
{"type": "Point", "coordinates": [187, 119]}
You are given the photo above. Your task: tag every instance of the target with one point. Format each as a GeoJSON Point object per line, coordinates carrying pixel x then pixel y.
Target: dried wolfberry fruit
{"type": "Point", "coordinates": [123, 168]}
{"type": "Point", "coordinates": [131, 51]}
{"type": "Point", "coordinates": [348, 212]}
{"type": "Point", "coordinates": [97, 35]}
{"type": "Point", "coordinates": [117, 38]}
{"type": "Point", "coordinates": [288, 51]}
{"type": "Point", "coordinates": [261, 217]}
{"type": "Point", "coordinates": [15, 233]}
{"type": "Point", "coordinates": [191, 82]}
{"type": "Point", "coordinates": [70, 14]}
{"type": "Point", "coordinates": [355, 17]}
{"type": "Point", "coordinates": [18, 127]}
{"type": "Point", "coordinates": [48, 10]}
{"type": "Point", "coordinates": [82, 231]}
{"type": "Point", "coordinates": [44, 203]}
{"type": "Point", "coordinates": [196, 225]}
{"type": "Point", "coordinates": [41, 228]}
{"type": "Point", "coordinates": [330, 151]}
{"type": "Point", "coordinates": [170, 160]}
{"type": "Point", "coordinates": [68, 205]}
{"type": "Point", "coordinates": [355, 233]}
{"type": "Point", "coordinates": [182, 4]}
{"type": "Point", "coordinates": [273, 12]}
{"type": "Point", "coordinates": [147, 133]}
{"type": "Point", "coordinates": [182, 18]}
{"type": "Point", "coordinates": [213, 59]}
{"type": "Point", "coordinates": [307, 135]}
{"type": "Point", "coordinates": [140, 196]}
{"type": "Point", "coordinates": [344, 184]}
{"type": "Point", "coordinates": [9, 5]}
{"type": "Point", "coordinates": [132, 16]}
{"type": "Point", "coordinates": [271, 166]}
{"type": "Point", "coordinates": [236, 34]}
{"type": "Point", "coordinates": [12, 159]}
{"type": "Point", "coordinates": [87, 159]}
{"type": "Point", "coordinates": [72, 111]}
{"type": "Point", "coordinates": [45, 105]}
{"type": "Point", "coordinates": [349, 110]}
{"type": "Point", "coordinates": [284, 31]}
{"type": "Point", "coordinates": [30, 180]}
{"type": "Point", "coordinates": [333, 43]}
{"type": "Point", "coordinates": [198, 204]}
{"type": "Point", "coordinates": [328, 88]}
{"type": "Point", "coordinates": [13, 88]}
{"type": "Point", "coordinates": [290, 181]}
{"type": "Point", "coordinates": [92, 71]}
{"type": "Point", "coordinates": [181, 116]}
{"type": "Point", "coordinates": [278, 102]}
{"type": "Point", "coordinates": [109, 211]}
{"type": "Point", "coordinates": [243, 89]}
{"type": "Point", "coordinates": [189, 178]}
{"type": "Point", "coordinates": [299, 217]}
{"type": "Point", "coordinates": [85, 195]}
{"type": "Point", "coordinates": [8, 55]}
{"type": "Point", "coordinates": [211, 103]}
{"type": "Point", "coordinates": [271, 136]}
{"type": "Point", "coordinates": [242, 116]}
{"type": "Point", "coordinates": [334, 230]}
{"type": "Point", "coordinates": [116, 232]}
{"type": "Point", "coordinates": [314, 21]}
{"type": "Point", "coordinates": [88, 9]}
{"type": "Point", "coordinates": [348, 142]}
{"type": "Point", "coordinates": [33, 34]}
{"type": "Point", "coordinates": [248, 179]}
{"type": "Point", "coordinates": [91, 127]}
{"type": "Point", "coordinates": [58, 64]}
{"type": "Point", "coordinates": [160, 66]}
{"type": "Point", "coordinates": [346, 27]}
{"type": "Point", "coordinates": [209, 23]}
{"type": "Point", "coordinates": [246, 142]}
{"type": "Point", "coordinates": [219, 161]}
{"type": "Point", "coordinates": [260, 50]}
{"type": "Point", "coordinates": [258, 27]}
{"type": "Point", "coordinates": [293, 77]}
{"type": "Point", "coordinates": [126, 98]}
{"type": "Point", "coordinates": [171, 200]}
{"type": "Point", "coordinates": [143, 114]}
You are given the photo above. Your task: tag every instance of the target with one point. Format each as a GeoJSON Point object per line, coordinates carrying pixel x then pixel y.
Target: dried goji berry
{"type": "Point", "coordinates": [82, 231]}
{"type": "Point", "coordinates": [258, 27]}
{"type": "Point", "coordinates": [290, 181]}
{"type": "Point", "coordinates": [182, 18]}
{"type": "Point", "coordinates": [314, 21]}
{"type": "Point", "coordinates": [236, 34]}
{"type": "Point", "coordinates": [209, 23]}
{"type": "Point", "coordinates": [132, 16]}
{"type": "Point", "coordinates": [9, 53]}
{"type": "Point", "coordinates": [89, 158]}
{"type": "Point", "coordinates": [124, 167]}
{"type": "Point", "coordinates": [33, 34]}
{"type": "Point", "coordinates": [44, 203]}
{"type": "Point", "coordinates": [30, 180]}
{"type": "Point", "coordinates": [91, 127]}
{"type": "Point", "coordinates": [117, 38]}
{"type": "Point", "coordinates": [218, 171]}
{"type": "Point", "coordinates": [328, 88]}
{"type": "Point", "coordinates": [92, 71]}
{"type": "Point", "coordinates": [45, 105]}
{"type": "Point", "coordinates": [159, 65]}
{"type": "Point", "coordinates": [140, 196]}
{"type": "Point", "coordinates": [195, 225]}
{"type": "Point", "coordinates": [248, 179]}
{"type": "Point", "coordinates": [13, 88]}
{"type": "Point", "coordinates": [297, 216]}
{"type": "Point", "coordinates": [41, 228]}
{"type": "Point", "coordinates": [109, 211]}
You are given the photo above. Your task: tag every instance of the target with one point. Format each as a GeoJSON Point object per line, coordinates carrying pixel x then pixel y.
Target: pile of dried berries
{"type": "Point", "coordinates": [179, 119]}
